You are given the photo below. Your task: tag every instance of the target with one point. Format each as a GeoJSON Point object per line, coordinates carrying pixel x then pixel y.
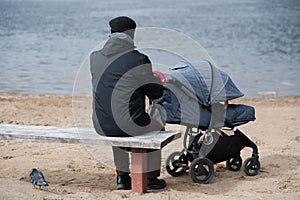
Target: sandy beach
{"type": "Point", "coordinates": [73, 172]}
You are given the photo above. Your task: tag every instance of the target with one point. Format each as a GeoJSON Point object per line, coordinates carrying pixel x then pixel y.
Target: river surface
{"type": "Point", "coordinates": [43, 43]}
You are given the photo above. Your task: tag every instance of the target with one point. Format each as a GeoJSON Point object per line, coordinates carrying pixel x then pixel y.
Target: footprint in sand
{"type": "Point", "coordinates": [7, 157]}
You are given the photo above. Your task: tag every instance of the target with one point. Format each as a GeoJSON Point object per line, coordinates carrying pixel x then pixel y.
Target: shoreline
{"type": "Point", "coordinates": [268, 95]}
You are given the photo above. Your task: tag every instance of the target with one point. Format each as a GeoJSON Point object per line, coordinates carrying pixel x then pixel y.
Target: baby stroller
{"type": "Point", "coordinates": [196, 95]}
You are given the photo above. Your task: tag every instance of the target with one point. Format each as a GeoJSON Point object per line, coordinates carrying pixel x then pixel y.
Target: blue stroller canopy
{"type": "Point", "coordinates": [204, 81]}
{"type": "Point", "coordinates": [193, 91]}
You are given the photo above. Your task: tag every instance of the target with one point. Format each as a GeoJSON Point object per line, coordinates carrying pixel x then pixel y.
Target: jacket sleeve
{"type": "Point", "coordinates": [151, 85]}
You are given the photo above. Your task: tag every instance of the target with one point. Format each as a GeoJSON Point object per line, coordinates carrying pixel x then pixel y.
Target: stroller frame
{"type": "Point", "coordinates": [201, 168]}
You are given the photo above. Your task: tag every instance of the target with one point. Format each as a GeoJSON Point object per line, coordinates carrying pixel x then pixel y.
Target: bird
{"type": "Point", "coordinates": [37, 178]}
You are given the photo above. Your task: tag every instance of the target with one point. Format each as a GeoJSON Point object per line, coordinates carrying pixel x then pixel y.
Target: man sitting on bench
{"type": "Point", "coordinates": [121, 78]}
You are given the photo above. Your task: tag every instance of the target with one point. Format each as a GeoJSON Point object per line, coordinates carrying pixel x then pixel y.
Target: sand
{"type": "Point", "coordinates": [73, 172]}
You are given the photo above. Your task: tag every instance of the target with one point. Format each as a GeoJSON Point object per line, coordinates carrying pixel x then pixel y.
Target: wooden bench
{"type": "Point", "coordinates": [138, 144]}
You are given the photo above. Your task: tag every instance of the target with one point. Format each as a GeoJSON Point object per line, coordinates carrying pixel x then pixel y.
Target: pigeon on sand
{"type": "Point", "coordinates": [37, 178]}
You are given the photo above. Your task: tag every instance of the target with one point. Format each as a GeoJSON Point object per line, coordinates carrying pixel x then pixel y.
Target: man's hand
{"type": "Point", "coordinates": [162, 77]}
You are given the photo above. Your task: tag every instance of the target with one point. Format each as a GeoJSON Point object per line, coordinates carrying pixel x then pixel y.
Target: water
{"type": "Point", "coordinates": [43, 43]}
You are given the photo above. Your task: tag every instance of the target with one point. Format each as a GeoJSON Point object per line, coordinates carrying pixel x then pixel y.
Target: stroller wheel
{"type": "Point", "coordinates": [251, 166]}
{"type": "Point", "coordinates": [234, 164]}
{"type": "Point", "coordinates": [202, 170]}
{"type": "Point", "coordinates": [176, 164]}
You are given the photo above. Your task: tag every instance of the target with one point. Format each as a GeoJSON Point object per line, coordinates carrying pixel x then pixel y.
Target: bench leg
{"type": "Point", "coordinates": [139, 170]}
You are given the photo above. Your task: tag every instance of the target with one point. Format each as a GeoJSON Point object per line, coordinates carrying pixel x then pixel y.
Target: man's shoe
{"type": "Point", "coordinates": [123, 182]}
{"type": "Point", "coordinates": [155, 184]}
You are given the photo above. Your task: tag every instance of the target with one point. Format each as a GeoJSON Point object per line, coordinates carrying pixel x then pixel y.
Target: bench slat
{"type": "Point", "coordinates": [151, 140]}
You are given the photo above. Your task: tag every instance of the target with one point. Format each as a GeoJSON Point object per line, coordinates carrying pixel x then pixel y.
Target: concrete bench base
{"type": "Point", "coordinates": [138, 144]}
